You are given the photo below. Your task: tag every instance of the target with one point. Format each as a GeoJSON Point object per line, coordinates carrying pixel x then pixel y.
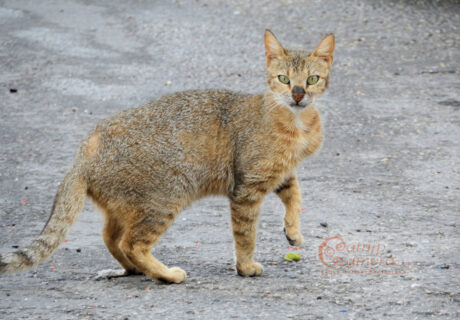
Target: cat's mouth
{"type": "Point", "coordinates": [301, 104]}
{"type": "Point", "coordinates": [298, 105]}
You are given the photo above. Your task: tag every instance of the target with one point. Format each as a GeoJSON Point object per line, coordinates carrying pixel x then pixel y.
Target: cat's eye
{"type": "Point", "coordinates": [311, 80]}
{"type": "Point", "coordinates": [283, 79]}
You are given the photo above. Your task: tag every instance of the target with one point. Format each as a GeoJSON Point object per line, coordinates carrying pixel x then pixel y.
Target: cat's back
{"type": "Point", "coordinates": [186, 133]}
{"type": "Point", "coordinates": [192, 112]}
{"type": "Point", "coordinates": [181, 109]}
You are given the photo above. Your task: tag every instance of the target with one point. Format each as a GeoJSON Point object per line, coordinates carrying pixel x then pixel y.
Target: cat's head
{"type": "Point", "coordinates": [296, 77]}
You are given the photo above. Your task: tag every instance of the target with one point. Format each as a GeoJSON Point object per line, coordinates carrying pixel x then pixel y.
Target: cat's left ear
{"type": "Point", "coordinates": [273, 48]}
{"type": "Point", "coordinates": [325, 49]}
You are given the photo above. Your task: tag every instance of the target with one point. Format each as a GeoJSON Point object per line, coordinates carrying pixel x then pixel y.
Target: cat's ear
{"type": "Point", "coordinates": [325, 49]}
{"type": "Point", "coordinates": [273, 48]}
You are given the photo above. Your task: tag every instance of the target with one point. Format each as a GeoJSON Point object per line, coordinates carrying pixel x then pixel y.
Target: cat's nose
{"type": "Point", "coordinates": [298, 93]}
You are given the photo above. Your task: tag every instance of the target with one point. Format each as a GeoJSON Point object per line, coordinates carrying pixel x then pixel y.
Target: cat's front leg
{"type": "Point", "coordinates": [245, 213]}
{"type": "Point", "coordinates": [289, 192]}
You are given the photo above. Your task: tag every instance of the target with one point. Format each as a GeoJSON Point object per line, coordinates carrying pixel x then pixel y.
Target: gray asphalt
{"type": "Point", "coordinates": [388, 173]}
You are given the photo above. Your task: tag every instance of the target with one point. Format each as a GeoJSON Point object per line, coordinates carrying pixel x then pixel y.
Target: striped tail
{"type": "Point", "coordinates": [68, 203]}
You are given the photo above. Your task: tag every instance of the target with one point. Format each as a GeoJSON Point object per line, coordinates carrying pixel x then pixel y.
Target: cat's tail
{"type": "Point", "coordinates": [68, 203]}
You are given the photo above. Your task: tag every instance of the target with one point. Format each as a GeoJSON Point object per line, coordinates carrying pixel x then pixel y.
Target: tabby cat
{"type": "Point", "coordinates": [145, 165]}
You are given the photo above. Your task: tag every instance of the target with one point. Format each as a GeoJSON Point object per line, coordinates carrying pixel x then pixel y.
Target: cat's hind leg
{"type": "Point", "coordinates": [137, 241]}
{"type": "Point", "coordinates": [112, 234]}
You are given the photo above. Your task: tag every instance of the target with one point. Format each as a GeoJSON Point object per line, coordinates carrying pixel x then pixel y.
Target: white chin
{"type": "Point", "coordinates": [301, 105]}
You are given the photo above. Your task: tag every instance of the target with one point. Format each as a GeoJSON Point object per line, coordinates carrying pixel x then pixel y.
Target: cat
{"type": "Point", "coordinates": [143, 166]}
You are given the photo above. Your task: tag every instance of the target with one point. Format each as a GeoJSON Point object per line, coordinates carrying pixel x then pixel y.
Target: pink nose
{"type": "Point", "coordinates": [298, 96]}
{"type": "Point", "coordinates": [298, 93]}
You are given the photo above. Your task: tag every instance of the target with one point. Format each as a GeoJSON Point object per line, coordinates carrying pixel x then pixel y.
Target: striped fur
{"type": "Point", "coordinates": [143, 166]}
{"type": "Point", "coordinates": [67, 205]}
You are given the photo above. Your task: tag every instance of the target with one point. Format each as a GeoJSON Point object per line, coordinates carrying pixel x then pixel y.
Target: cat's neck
{"type": "Point", "coordinates": [286, 120]}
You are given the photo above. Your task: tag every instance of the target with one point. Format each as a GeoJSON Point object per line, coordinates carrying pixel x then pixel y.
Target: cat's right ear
{"type": "Point", "coordinates": [273, 48]}
{"type": "Point", "coordinates": [325, 49]}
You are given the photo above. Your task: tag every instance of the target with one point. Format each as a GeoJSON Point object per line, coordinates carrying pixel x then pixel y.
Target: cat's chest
{"type": "Point", "coordinates": [292, 151]}
{"type": "Point", "coordinates": [295, 147]}
{"type": "Point", "coordinates": [297, 135]}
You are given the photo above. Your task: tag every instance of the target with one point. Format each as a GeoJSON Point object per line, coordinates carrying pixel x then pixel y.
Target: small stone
{"type": "Point", "coordinates": [13, 90]}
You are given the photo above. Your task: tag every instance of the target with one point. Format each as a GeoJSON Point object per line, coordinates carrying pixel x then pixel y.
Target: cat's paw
{"type": "Point", "coordinates": [250, 270]}
{"type": "Point", "coordinates": [174, 275]}
{"type": "Point", "coordinates": [295, 238]}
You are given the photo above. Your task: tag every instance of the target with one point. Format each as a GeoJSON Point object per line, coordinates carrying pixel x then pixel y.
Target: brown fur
{"type": "Point", "coordinates": [142, 167]}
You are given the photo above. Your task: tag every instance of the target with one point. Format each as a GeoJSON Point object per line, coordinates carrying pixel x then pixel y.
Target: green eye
{"type": "Point", "coordinates": [283, 79]}
{"type": "Point", "coordinates": [311, 80]}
